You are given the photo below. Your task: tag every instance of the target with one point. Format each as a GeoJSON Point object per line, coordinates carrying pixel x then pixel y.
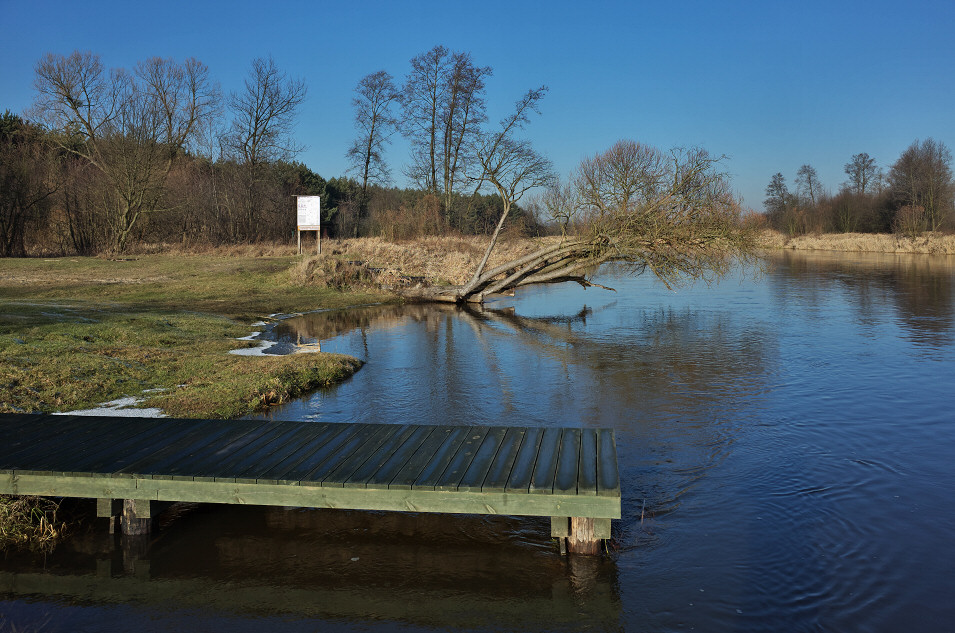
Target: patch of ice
{"type": "Point", "coordinates": [119, 408]}
{"type": "Point", "coordinates": [253, 351]}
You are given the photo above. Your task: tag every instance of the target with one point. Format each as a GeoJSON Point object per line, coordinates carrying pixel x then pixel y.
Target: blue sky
{"type": "Point", "coordinates": [772, 85]}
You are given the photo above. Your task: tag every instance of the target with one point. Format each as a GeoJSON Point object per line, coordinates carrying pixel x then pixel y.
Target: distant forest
{"type": "Point", "coordinates": [109, 160]}
{"type": "Point", "coordinates": [914, 195]}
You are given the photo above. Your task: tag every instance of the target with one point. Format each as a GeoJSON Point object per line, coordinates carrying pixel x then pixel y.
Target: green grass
{"type": "Point", "coordinates": [76, 332]}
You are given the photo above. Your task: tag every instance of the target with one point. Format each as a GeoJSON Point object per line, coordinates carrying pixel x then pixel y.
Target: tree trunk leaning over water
{"type": "Point", "coordinates": [672, 213]}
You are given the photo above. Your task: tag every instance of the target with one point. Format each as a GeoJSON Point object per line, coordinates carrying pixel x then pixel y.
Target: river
{"type": "Point", "coordinates": [786, 443]}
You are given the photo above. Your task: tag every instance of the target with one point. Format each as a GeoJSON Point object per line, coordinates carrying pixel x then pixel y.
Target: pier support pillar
{"type": "Point", "coordinates": [110, 509]}
{"type": "Point", "coordinates": [136, 518]}
{"type": "Point", "coordinates": [579, 535]}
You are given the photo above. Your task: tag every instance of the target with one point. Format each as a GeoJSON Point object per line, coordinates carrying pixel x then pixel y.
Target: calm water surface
{"type": "Point", "coordinates": [785, 443]}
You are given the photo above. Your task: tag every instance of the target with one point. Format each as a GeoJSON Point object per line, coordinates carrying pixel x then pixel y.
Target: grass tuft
{"type": "Point", "coordinates": [30, 522]}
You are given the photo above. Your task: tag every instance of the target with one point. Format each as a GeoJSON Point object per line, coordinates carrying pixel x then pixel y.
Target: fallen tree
{"type": "Point", "coordinates": [672, 213]}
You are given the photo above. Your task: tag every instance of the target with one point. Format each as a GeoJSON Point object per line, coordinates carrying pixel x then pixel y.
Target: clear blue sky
{"type": "Point", "coordinates": [772, 85]}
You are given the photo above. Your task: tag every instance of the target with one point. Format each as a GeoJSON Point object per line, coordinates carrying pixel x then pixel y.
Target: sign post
{"type": "Point", "coordinates": [309, 219]}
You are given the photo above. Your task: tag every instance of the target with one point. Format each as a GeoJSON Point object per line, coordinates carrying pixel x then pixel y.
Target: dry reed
{"type": "Point", "coordinates": [929, 243]}
{"type": "Point", "coordinates": [30, 522]}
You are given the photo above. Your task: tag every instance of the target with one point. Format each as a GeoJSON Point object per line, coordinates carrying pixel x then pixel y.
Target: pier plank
{"type": "Point", "coordinates": [377, 460]}
{"type": "Point", "coordinates": [384, 434]}
{"type": "Point", "coordinates": [442, 457]}
{"type": "Point", "coordinates": [389, 470]}
{"type": "Point", "coordinates": [500, 469]}
{"type": "Point", "coordinates": [442, 436]}
{"type": "Point", "coordinates": [55, 446]}
{"type": "Point", "coordinates": [565, 480]}
{"type": "Point", "coordinates": [462, 460]}
{"type": "Point", "coordinates": [542, 481]}
{"type": "Point", "coordinates": [320, 453]}
{"type": "Point", "coordinates": [520, 477]}
{"type": "Point", "coordinates": [252, 453]}
{"type": "Point", "coordinates": [318, 474]}
{"type": "Point", "coordinates": [608, 478]}
{"type": "Point", "coordinates": [587, 476]}
{"type": "Point", "coordinates": [473, 478]}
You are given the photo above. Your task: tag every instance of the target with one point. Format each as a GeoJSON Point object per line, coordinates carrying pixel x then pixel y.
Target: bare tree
{"type": "Point", "coordinates": [261, 131]}
{"type": "Point", "coordinates": [376, 123]}
{"type": "Point", "coordinates": [131, 127]}
{"type": "Point", "coordinates": [443, 110]}
{"type": "Point", "coordinates": [808, 187]}
{"type": "Point", "coordinates": [559, 202]}
{"type": "Point", "coordinates": [462, 117]}
{"type": "Point", "coordinates": [922, 177]}
{"type": "Point", "coordinates": [863, 173]}
{"type": "Point", "coordinates": [422, 97]}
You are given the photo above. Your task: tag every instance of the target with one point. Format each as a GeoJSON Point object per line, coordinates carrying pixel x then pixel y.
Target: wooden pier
{"type": "Point", "coordinates": [568, 474]}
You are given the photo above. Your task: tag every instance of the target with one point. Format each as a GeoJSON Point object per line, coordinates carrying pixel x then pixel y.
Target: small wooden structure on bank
{"type": "Point", "coordinates": [569, 474]}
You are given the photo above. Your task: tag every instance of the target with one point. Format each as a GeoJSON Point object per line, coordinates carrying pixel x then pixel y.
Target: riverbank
{"type": "Point", "coordinates": [77, 332]}
{"type": "Point", "coordinates": [927, 243]}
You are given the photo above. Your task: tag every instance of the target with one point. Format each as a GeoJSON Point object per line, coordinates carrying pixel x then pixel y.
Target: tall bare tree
{"type": "Point", "coordinates": [443, 110]}
{"type": "Point", "coordinates": [375, 95]}
{"type": "Point", "coordinates": [129, 126]}
{"type": "Point", "coordinates": [462, 116]}
{"type": "Point", "coordinates": [808, 186]}
{"type": "Point", "coordinates": [422, 97]}
{"type": "Point", "coordinates": [261, 131]}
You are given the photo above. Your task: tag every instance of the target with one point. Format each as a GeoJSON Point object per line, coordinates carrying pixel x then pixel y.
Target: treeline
{"type": "Point", "coordinates": [915, 194]}
{"type": "Point", "coordinates": [108, 160]}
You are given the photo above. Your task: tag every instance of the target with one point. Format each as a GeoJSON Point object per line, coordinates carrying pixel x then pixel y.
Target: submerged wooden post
{"type": "Point", "coordinates": [136, 518]}
{"type": "Point", "coordinates": [579, 535]}
{"type": "Point", "coordinates": [582, 539]}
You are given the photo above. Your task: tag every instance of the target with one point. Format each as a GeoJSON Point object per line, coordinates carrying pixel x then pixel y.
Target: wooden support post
{"type": "Point", "coordinates": [579, 535]}
{"type": "Point", "coordinates": [111, 509]}
{"type": "Point", "coordinates": [560, 530]}
{"type": "Point", "coordinates": [583, 538]}
{"type": "Point", "coordinates": [136, 518]}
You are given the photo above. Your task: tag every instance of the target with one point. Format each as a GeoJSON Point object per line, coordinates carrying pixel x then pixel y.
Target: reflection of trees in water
{"type": "Point", "coordinates": [320, 326]}
{"type": "Point", "coordinates": [920, 287]}
{"type": "Point", "coordinates": [695, 358]}
{"type": "Point", "coordinates": [677, 385]}
{"type": "Point", "coordinates": [689, 359]}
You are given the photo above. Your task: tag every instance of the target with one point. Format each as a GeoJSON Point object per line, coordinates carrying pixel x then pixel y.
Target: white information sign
{"type": "Point", "coordinates": [309, 213]}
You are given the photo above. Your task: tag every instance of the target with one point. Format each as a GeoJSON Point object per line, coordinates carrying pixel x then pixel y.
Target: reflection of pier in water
{"type": "Point", "coordinates": [337, 564]}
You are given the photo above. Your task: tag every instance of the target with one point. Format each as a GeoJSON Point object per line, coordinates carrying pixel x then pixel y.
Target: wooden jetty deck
{"type": "Point", "coordinates": [569, 474]}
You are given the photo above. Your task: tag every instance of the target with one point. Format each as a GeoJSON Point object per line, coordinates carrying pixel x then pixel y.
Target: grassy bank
{"type": "Point", "coordinates": [928, 243]}
{"type": "Point", "coordinates": [76, 332]}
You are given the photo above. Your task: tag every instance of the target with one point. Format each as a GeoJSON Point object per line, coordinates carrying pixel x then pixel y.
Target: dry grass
{"type": "Point", "coordinates": [258, 249]}
{"type": "Point", "coordinates": [29, 522]}
{"type": "Point", "coordinates": [929, 243]}
{"type": "Point", "coordinates": [433, 260]}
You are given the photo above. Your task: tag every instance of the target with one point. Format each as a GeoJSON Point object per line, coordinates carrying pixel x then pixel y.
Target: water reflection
{"type": "Point", "coordinates": [922, 289]}
{"type": "Point", "coordinates": [472, 573]}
